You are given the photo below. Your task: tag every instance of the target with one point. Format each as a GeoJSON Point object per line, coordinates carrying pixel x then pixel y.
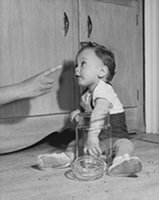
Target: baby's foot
{"type": "Point", "coordinates": [125, 166]}
{"type": "Point", "coordinates": [54, 160]}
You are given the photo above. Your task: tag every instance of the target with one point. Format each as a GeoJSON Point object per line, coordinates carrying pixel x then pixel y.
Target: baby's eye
{"type": "Point", "coordinates": [83, 63]}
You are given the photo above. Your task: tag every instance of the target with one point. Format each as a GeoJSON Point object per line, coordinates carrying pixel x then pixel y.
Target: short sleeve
{"type": "Point", "coordinates": [104, 91]}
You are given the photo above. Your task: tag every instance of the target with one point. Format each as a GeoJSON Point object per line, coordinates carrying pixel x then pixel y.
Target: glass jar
{"type": "Point", "coordinates": [85, 166]}
{"type": "Point", "coordinates": [87, 124]}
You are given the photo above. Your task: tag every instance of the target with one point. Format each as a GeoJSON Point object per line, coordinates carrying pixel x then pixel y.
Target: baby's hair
{"type": "Point", "coordinates": [106, 56]}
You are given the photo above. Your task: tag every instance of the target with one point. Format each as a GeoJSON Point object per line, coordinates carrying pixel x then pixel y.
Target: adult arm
{"type": "Point", "coordinates": [32, 87]}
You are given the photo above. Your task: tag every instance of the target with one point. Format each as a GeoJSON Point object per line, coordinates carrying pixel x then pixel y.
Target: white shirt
{"type": "Point", "coordinates": [105, 91]}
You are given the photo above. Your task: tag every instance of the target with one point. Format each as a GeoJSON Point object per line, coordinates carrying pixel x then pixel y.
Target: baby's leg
{"type": "Point", "coordinates": [58, 159]}
{"type": "Point", "coordinates": [123, 163]}
{"type": "Point", "coordinates": [123, 146]}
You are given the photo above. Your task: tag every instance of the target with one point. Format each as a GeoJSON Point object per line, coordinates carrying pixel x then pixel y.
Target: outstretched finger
{"type": "Point", "coordinates": [52, 70]}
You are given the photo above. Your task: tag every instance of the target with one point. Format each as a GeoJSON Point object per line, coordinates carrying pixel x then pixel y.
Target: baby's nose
{"type": "Point", "coordinates": [77, 71]}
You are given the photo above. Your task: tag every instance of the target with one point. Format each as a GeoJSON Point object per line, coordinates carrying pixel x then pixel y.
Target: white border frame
{"type": "Point", "coordinates": [151, 62]}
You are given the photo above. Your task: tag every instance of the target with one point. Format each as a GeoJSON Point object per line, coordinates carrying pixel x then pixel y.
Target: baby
{"type": "Point", "coordinates": [95, 68]}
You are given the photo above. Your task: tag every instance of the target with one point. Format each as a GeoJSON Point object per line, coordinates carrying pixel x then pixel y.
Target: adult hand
{"type": "Point", "coordinates": [39, 84]}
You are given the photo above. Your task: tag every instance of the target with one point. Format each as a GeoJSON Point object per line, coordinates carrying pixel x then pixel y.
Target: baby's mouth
{"type": "Point", "coordinates": [77, 76]}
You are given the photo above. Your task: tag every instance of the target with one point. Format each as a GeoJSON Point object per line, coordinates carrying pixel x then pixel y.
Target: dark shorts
{"type": "Point", "coordinates": [118, 127]}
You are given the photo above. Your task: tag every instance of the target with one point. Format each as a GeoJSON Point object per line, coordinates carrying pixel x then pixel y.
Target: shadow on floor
{"type": "Point", "coordinates": [59, 139]}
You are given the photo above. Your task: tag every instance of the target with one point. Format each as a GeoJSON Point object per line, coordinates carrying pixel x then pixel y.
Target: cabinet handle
{"type": "Point", "coordinates": [66, 24]}
{"type": "Point", "coordinates": [89, 25]}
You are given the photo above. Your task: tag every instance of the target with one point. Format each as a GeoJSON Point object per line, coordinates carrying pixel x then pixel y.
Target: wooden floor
{"type": "Point", "coordinates": [21, 180]}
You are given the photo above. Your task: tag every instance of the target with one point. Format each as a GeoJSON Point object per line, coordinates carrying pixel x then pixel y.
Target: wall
{"type": "Point", "coordinates": [152, 65]}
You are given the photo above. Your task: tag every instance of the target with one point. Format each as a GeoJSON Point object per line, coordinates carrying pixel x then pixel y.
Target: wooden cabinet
{"type": "Point", "coordinates": [39, 34]}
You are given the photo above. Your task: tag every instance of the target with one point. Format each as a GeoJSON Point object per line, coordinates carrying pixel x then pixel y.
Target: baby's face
{"type": "Point", "coordinates": [87, 69]}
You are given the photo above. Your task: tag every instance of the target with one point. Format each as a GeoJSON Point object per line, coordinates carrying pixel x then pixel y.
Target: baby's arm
{"type": "Point", "coordinates": [97, 120]}
{"type": "Point", "coordinates": [74, 115]}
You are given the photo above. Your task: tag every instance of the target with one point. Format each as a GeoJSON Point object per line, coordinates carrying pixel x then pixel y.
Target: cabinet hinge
{"type": "Point", "coordinates": [137, 20]}
{"type": "Point", "coordinates": [137, 94]}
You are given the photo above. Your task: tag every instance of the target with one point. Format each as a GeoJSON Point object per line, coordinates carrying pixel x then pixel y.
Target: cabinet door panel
{"type": "Point", "coordinates": [115, 25]}
{"type": "Point", "coordinates": [32, 39]}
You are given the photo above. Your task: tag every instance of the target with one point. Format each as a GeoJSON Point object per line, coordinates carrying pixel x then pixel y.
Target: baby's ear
{"type": "Point", "coordinates": [103, 72]}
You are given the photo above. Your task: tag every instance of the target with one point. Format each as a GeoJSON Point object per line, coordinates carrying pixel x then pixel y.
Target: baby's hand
{"type": "Point", "coordinates": [74, 116]}
{"type": "Point", "coordinates": [39, 84]}
{"type": "Point", "coordinates": [92, 146]}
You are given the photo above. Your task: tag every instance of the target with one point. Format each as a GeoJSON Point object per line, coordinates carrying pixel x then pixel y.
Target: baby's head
{"type": "Point", "coordinates": [98, 61]}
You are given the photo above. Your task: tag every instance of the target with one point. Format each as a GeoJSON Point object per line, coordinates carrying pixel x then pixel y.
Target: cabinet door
{"type": "Point", "coordinates": [115, 24]}
{"type": "Point", "coordinates": [36, 35]}
{"type": "Point", "coordinates": [32, 39]}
